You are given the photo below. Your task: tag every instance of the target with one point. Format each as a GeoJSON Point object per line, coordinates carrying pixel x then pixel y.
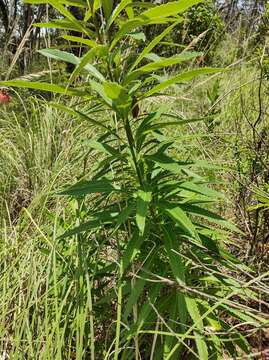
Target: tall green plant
{"type": "Point", "coordinates": [148, 252]}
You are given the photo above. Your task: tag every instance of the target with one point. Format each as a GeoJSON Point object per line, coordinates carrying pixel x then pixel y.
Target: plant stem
{"type": "Point", "coordinates": [89, 285]}
{"type": "Point", "coordinates": [130, 139]}
{"type": "Point", "coordinates": [119, 309]}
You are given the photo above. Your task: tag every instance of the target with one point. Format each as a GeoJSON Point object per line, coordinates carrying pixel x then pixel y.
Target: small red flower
{"type": "Point", "coordinates": [5, 98]}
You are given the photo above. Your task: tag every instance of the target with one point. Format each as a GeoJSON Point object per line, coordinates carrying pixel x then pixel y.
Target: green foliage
{"type": "Point", "coordinates": [263, 30]}
{"type": "Point", "coordinates": [203, 18]}
{"type": "Point", "coordinates": [142, 247]}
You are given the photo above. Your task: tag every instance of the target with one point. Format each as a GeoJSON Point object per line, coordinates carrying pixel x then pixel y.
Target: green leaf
{"type": "Point", "coordinates": [68, 15]}
{"type": "Point", "coordinates": [113, 90]}
{"type": "Point", "coordinates": [118, 9]}
{"type": "Point", "coordinates": [132, 249]}
{"type": "Point", "coordinates": [97, 5]}
{"type": "Point", "coordinates": [170, 9]}
{"type": "Point", "coordinates": [175, 261]}
{"type": "Point", "coordinates": [88, 57]}
{"type": "Point", "coordinates": [209, 215]}
{"type": "Point", "coordinates": [80, 40]}
{"type": "Point", "coordinates": [121, 101]}
{"type": "Point", "coordinates": [89, 187]}
{"type": "Point", "coordinates": [145, 311]}
{"type": "Point", "coordinates": [169, 61]}
{"type": "Point", "coordinates": [160, 65]}
{"type": "Point", "coordinates": [187, 76]}
{"type": "Point", "coordinates": [59, 24]}
{"type": "Point", "coordinates": [130, 12]}
{"type": "Point", "coordinates": [144, 126]}
{"type": "Point", "coordinates": [80, 115]}
{"type": "Point", "coordinates": [155, 15]}
{"type": "Point", "coordinates": [180, 217]}
{"type": "Point", "coordinates": [99, 88]}
{"type": "Point", "coordinates": [105, 148]}
{"type": "Point", "coordinates": [71, 58]}
{"type": "Point", "coordinates": [107, 6]}
{"type": "Point", "coordinates": [140, 36]}
{"type": "Point", "coordinates": [152, 45]}
{"type": "Point", "coordinates": [245, 316]}
{"type": "Point", "coordinates": [59, 55]}
{"type": "Point", "coordinates": [79, 3]}
{"type": "Point", "coordinates": [132, 24]}
{"type": "Point", "coordinates": [200, 189]}
{"type": "Point", "coordinates": [125, 214]}
{"type": "Point", "coordinates": [57, 89]}
{"type": "Point", "coordinates": [196, 318]}
{"type": "Point", "coordinates": [133, 297]}
{"type": "Point", "coordinates": [143, 200]}
{"type": "Point", "coordinates": [167, 163]}
{"type": "Point", "coordinates": [89, 226]}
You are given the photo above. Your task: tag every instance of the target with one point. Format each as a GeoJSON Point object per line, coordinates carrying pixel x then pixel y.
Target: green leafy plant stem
{"type": "Point", "coordinates": [130, 138]}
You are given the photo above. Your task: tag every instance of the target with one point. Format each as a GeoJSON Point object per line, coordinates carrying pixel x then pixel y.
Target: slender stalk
{"type": "Point", "coordinates": [90, 305]}
{"type": "Point", "coordinates": [135, 316]}
{"type": "Point", "coordinates": [130, 138]}
{"type": "Point", "coordinates": [119, 311]}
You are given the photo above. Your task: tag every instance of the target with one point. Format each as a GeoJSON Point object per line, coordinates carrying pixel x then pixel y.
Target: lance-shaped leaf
{"type": "Point", "coordinates": [155, 15]}
{"type": "Point", "coordinates": [132, 249]}
{"type": "Point", "coordinates": [68, 15]}
{"type": "Point", "coordinates": [200, 189]}
{"type": "Point", "coordinates": [105, 148]}
{"type": "Point", "coordinates": [180, 217]}
{"type": "Point", "coordinates": [176, 263]}
{"type": "Point", "coordinates": [118, 9]}
{"type": "Point", "coordinates": [160, 65]}
{"type": "Point", "coordinates": [43, 86]}
{"type": "Point", "coordinates": [71, 58]}
{"type": "Point", "coordinates": [81, 115]}
{"type": "Point", "coordinates": [142, 204]}
{"type": "Point", "coordinates": [89, 187]}
{"type": "Point", "coordinates": [133, 24]}
{"type": "Point", "coordinates": [167, 163]}
{"type": "Point", "coordinates": [80, 40]}
{"type": "Point", "coordinates": [60, 24]}
{"type": "Point", "coordinates": [196, 318]}
{"type": "Point", "coordinates": [107, 6]}
{"type": "Point", "coordinates": [98, 51]}
{"type": "Point", "coordinates": [209, 215]}
{"type": "Point", "coordinates": [79, 3]}
{"type": "Point", "coordinates": [187, 76]}
{"type": "Point", "coordinates": [170, 9]}
{"type": "Point", "coordinates": [152, 44]}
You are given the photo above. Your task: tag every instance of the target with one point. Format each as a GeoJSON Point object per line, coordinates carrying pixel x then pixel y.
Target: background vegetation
{"type": "Point", "coordinates": [134, 215]}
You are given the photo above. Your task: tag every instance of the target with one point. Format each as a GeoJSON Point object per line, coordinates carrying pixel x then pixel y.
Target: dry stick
{"type": "Point", "coordinates": [188, 290]}
{"type": "Point", "coordinates": [254, 162]}
{"type": "Point", "coordinates": [251, 356]}
{"type": "Point", "coordinates": [212, 271]}
{"type": "Point", "coordinates": [154, 340]}
{"type": "Point", "coordinates": [19, 50]}
{"type": "Point", "coordinates": [48, 41]}
{"type": "Point", "coordinates": [170, 329]}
